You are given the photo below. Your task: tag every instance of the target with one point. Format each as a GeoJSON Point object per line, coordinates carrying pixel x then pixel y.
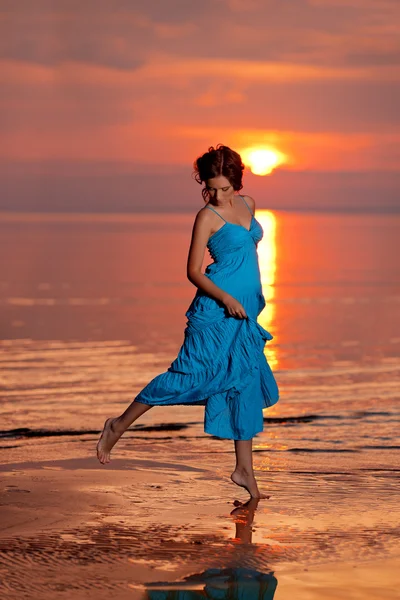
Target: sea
{"type": "Point", "coordinates": [92, 307]}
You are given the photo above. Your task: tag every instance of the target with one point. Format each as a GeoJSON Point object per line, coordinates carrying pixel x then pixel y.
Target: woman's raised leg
{"type": "Point", "coordinates": [115, 427]}
{"type": "Point", "coordinates": [243, 474]}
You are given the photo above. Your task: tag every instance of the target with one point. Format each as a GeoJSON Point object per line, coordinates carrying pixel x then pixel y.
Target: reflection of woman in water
{"type": "Point", "coordinates": [221, 363]}
{"type": "Point", "coordinates": [223, 584]}
{"type": "Point", "coordinates": [230, 583]}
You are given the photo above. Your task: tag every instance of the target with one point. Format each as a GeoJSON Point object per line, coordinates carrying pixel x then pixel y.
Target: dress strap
{"type": "Point", "coordinates": [242, 197]}
{"type": "Point", "coordinates": [217, 213]}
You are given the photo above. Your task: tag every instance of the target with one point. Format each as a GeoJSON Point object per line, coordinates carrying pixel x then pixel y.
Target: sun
{"type": "Point", "coordinates": [262, 161]}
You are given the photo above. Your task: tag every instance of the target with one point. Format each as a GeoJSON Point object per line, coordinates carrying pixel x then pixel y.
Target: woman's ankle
{"type": "Point", "coordinates": [117, 425]}
{"type": "Point", "coordinates": [245, 471]}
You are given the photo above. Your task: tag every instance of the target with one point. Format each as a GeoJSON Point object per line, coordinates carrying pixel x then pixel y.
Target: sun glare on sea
{"type": "Point", "coordinates": [262, 161]}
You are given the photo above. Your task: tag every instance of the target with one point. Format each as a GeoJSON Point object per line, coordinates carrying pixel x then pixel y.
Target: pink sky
{"type": "Point", "coordinates": [151, 84]}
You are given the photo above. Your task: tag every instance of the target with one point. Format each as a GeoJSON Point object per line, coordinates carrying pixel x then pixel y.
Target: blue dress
{"type": "Point", "coordinates": [221, 363]}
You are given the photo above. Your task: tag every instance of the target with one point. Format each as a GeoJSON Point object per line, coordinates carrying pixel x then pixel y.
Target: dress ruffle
{"type": "Point", "coordinates": [221, 364]}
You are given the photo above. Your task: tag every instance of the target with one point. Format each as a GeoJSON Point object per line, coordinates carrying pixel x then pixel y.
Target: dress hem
{"type": "Point", "coordinates": [234, 438]}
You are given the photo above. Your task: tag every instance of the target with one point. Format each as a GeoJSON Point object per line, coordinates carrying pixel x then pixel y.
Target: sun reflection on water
{"type": "Point", "coordinates": [267, 252]}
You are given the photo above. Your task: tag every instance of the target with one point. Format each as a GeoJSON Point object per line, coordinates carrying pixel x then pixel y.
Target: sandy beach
{"type": "Point", "coordinates": [73, 529]}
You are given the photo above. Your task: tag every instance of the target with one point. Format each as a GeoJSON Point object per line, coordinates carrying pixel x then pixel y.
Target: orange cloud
{"type": "Point", "coordinates": [339, 116]}
{"type": "Point", "coordinates": [162, 67]}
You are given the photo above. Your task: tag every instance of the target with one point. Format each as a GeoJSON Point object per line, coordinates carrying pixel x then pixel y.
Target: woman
{"type": "Point", "coordinates": [221, 363]}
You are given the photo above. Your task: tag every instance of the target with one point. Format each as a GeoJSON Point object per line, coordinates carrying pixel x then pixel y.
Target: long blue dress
{"type": "Point", "coordinates": [221, 363]}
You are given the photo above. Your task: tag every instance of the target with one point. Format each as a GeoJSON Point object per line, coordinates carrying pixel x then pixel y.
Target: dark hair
{"type": "Point", "coordinates": [220, 160]}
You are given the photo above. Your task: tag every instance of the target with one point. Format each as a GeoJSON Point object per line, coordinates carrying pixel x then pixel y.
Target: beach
{"type": "Point", "coordinates": [140, 525]}
{"type": "Point", "coordinates": [92, 308]}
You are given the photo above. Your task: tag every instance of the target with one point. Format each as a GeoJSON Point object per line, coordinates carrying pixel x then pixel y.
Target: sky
{"type": "Point", "coordinates": [105, 105]}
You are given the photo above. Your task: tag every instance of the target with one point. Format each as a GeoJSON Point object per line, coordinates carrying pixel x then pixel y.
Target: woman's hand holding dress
{"type": "Point", "coordinates": [234, 307]}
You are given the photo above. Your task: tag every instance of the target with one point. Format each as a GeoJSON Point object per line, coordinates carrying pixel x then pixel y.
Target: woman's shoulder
{"type": "Point", "coordinates": [203, 213]}
{"type": "Point", "coordinates": [203, 217]}
{"type": "Point", "coordinates": [250, 201]}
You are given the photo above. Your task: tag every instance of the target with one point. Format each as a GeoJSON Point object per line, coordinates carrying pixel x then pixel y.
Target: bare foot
{"type": "Point", "coordinates": [107, 440]}
{"type": "Point", "coordinates": [248, 482]}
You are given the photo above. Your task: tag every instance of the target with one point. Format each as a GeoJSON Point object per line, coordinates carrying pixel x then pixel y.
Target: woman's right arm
{"type": "Point", "coordinates": [202, 229]}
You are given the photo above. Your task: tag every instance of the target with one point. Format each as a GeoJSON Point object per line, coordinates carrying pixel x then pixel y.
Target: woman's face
{"type": "Point", "coordinates": [220, 189]}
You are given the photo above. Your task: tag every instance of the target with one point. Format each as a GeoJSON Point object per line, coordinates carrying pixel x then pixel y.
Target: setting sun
{"type": "Point", "coordinates": [262, 161]}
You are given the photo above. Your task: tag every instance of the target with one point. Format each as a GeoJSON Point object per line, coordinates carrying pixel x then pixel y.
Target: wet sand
{"type": "Point", "coordinates": [73, 528]}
